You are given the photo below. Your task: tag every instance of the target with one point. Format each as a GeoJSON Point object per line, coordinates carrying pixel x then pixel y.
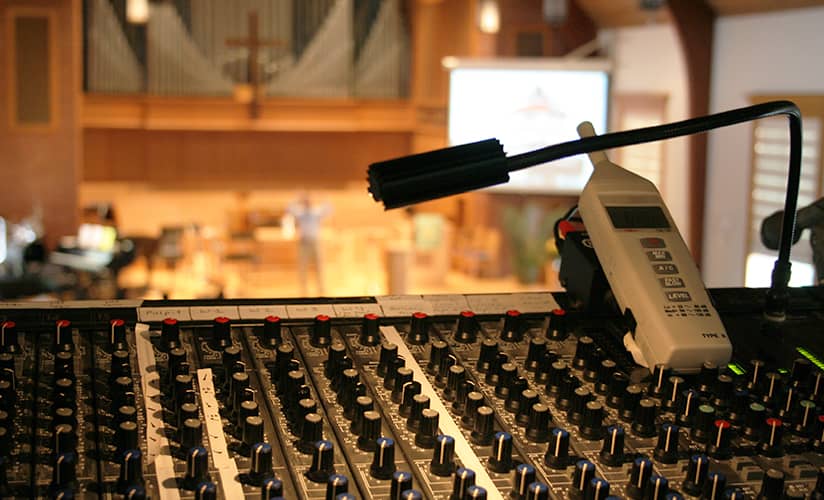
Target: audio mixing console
{"type": "Point", "coordinates": [452, 397]}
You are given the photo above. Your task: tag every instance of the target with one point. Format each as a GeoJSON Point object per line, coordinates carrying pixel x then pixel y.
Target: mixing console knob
{"type": "Point", "coordinates": [528, 398]}
{"type": "Point", "coordinates": [612, 452]}
{"type": "Point", "coordinates": [536, 352]}
{"type": "Point", "coordinates": [772, 486]}
{"type": "Point", "coordinates": [418, 329]}
{"type": "Point", "coordinates": [483, 428]}
{"type": "Point", "coordinates": [707, 376]}
{"type": "Point", "coordinates": [475, 492]}
{"type": "Point", "coordinates": [592, 427]}
{"type": "Point", "coordinates": [658, 488]}
{"type": "Point", "coordinates": [753, 421]}
{"type": "Point", "coordinates": [63, 336]}
{"type": "Point", "coordinates": [506, 375]}
{"type": "Point", "coordinates": [349, 379]}
{"type": "Point", "coordinates": [537, 429]}
{"type": "Point", "coordinates": [120, 364]}
{"type": "Point", "coordinates": [584, 473]}
{"type": "Point", "coordinates": [117, 334]}
{"type": "Point", "coordinates": [593, 365]}
{"type": "Point", "coordinates": [247, 408]}
{"type": "Point", "coordinates": [64, 473]}
{"type": "Point", "coordinates": [666, 449]}
{"type": "Point", "coordinates": [271, 488]}
{"type": "Point", "coordinates": [771, 387]}
{"type": "Point", "coordinates": [135, 493]}
{"type": "Point", "coordinates": [523, 477]}
{"type": "Point", "coordinates": [425, 436]}
{"type": "Point", "coordinates": [131, 469]}
{"type": "Point", "coordinates": [800, 373]}
{"type": "Point", "coordinates": [437, 349]}
{"type": "Point", "coordinates": [283, 358]}
{"type": "Point", "coordinates": [558, 328]}
{"type": "Point", "coordinates": [5, 443]}
{"type": "Point", "coordinates": [597, 489]}
{"type": "Point", "coordinates": [738, 406]}
{"type": "Point", "coordinates": [443, 461]}
{"type": "Point", "coordinates": [64, 365]}
{"type": "Point", "coordinates": [454, 380]}
{"type": "Point", "coordinates": [688, 407]}
{"type": "Point", "coordinates": [605, 371]}
{"type": "Point", "coordinates": [616, 388]}
{"type": "Point", "coordinates": [675, 386]}
{"type": "Point", "coordinates": [371, 430]}
{"type": "Point", "coordinates": [182, 386]}
{"type": "Point", "coordinates": [566, 391]}
{"type": "Point", "coordinates": [205, 490]}
{"type": "Point", "coordinates": [221, 334]}
{"type": "Point", "coordinates": [512, 330]}
{"type": "Point", "coordinates": [65, 439]}
{"type": "Point", "coordinates": [323, 462]}
{"type": "Point", "coordinates": [420, 402]}
{"type": "Point", "coordinates": [474, 400]}
{"type": "Point", "coordinates": [123, 392]}
{"type": "Point", "coordinates": [583, 351]}
{"type": "Point", "coordinates": [8, 337]}
{"type": "Point", "coordinates": [321, 331]}
{"type": "Point", "coordinates": [719, 444]}
{"type": "Point", "coordinates": [629, 403]}
{"type": "Point", "coordinates": [337, 484]}
{"type": "Point", "coordinates": [757, 370]}
{"type": "Point", "coordinates": [65, 394]}
{"type": "Point", "coordinates": [447, 362]}
{"type": "Point", "coordinates": [177, 364]}
{"type": "Point", "coordinates": [558, 371]}
{"type": "Point", "coordinates": [817, 386]}
{"type": "Point", "coordinates": [513, 399]}
{"type": "Point", "coordinates": [403, 376]}
{"type": "Point", "coordinates": [392, 371]}
{"type": "Point", "coordinates": [804, 418]}
{"type": "Point", "coordinates": [467, 329]}
{"type": "Point", "coordinates": [252, 431]}
{"type": "Point", "coordinates": [544, 366]}
{"type": "Point", "coordinates": [501, 459]}
{"type": "Point", "coordinates": [272, 335]}
{"type": "Point", "coordinates": [411, 495]}
{"type": "Point", "coordinates": [332, 366]}
{"type": "Point", "coordinates": [310, 432]}
{"type": "Point", "coordinates": [557, 453]}
{"type": "Point", "coordinates": [537, 491]}
{"type": "Point", "coordinates": [362, 405]}
{"type": "Point", "coordinates": [704, 419]}
{"type": "Point", "coordinates": [191, 434]}
{"type": "Point", "coordinates": [639, 477]}
{"type": "Point", "coordinates": [464, 388]}
{"type": "Point", "coordinates": [771, 444]}
{"type": "Point", "coordinates": [229, 358]}
{"type": "Point", "coordinates": [658, 386]}
{"type": "Point", "coordinates": [305, 407]}
{"type": "Point", "coordinates": [488, 354]}
{"type": "Point", "coordinates": [64, 416]}
{"type": "Point", "coordinates": [389, 352]}
{"type": "Point", "coordinates": [410, 390]}
{"type": "Point", "coordinates": [464, 478]}
{"type": "Point", "coordinates": [383, 459]}
{"type": "Point", "coordinates": [169, 334]}
{"type": "Point", "coordinates": [401, 481]}
{"type": "Point", "coordinates": [723, 393]}
{"type": "Point", "coordinates": [697, 470]}
{"type": "Point", "coordinates": [186, 411]}
{"type": "Point", "coordinates": [644, 422]}
{"type": "Point", "coordinates": [714, 486]}
{"type": "Point", "coordinates": [580, 397]}
{"type": "Point", "coordinates": [788, 403]}
{"type": "Point", "coordinates": [370, 333]}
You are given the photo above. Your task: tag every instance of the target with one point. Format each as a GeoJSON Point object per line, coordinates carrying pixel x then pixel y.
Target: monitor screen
{"type": "Point", "coordinates": [528, 104]}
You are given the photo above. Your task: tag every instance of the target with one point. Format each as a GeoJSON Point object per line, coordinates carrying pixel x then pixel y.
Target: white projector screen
{"type": "Point", "coordinates": [528, 104]}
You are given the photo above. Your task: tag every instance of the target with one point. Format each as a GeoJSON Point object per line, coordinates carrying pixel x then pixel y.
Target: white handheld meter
{"type": "Point", "coordinates": [650, 270]}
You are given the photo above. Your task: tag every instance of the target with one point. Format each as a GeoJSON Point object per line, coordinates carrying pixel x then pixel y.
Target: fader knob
{"type": "Point", "coordinates": [714, 486]}
{"type": "Point", "coordinates": [501, 459]}
{"type": "Point", "coordinates": [697, 470]}
{"type": "Point", "coordinates": [512, 330]}
{"type": "Point", "coordinates": [639, 477]}
{"type": "Point", "coordinates": [666, 449]}
{"type": "Point", "coordinates": [131, 470]}
{"type": "Point", "coordinates": [537, 350]}
{"type": "Point", "coordinates": [261, 467]}
{"type": "Point", "coordinates": [583, 351]}
{"type": "Point", "coordinates": [488, 354]}
{"type": "Point", "coordinates": [323, 462]}
{"type": "Point", "coordinates": [612, 452]}
{"type": "Point", "coordinates": [197, 466]}
{"type": "Point", "coordinates": [8, 337]}
{"type": "Point", "coordinates": [537, 429]}
{"type": "Point", "coordinates": [117, 334]}
{"type": "Point", "coordinates": [425, 437]}
{"type": "Point", "coordinates": [321, 331]}
{"type": "Point", "coordinates": [558, 328]}
{"type": "Point", "coordinates": [464, 478]}
{"type": "Point", "coordinates": [205, 491]}
{"type": "Point", "coordinates": [370, 431]}
{"type": "Point", "coordinates": [418, 329]}
{"type": "Point", "coordinates": [584, 472]}
{"type": "Point", "coordinates": [557, 453]}
{"type": "Point", "coordinates": [370, 333]}
{"type": "Point", "coordinates": [467, 329]}
{"type": "Point", "coordinates": [389, 352]}
{"type": "Point", "coordinates": [63, 336]}
{"type": "Point", "coordinates": [336, 484]}
{"type": "Point", "coordinates": [272, 335]}
{"type": "Point", "coordinates": [644, 424]}
{"type": "Point", "coordinates": [443, 456]}
{"type": "Point", "coordinates": [772, 486]}
{"type": "Point", "coordinates": [221, 334]}
{"type": "Point", "coordinates": [383, 459]}
{"type": "Point", "coordinates": [401, 481]}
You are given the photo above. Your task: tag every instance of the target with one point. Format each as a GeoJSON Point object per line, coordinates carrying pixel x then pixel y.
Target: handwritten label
{"type": "Point", "coordinates": [447, 304]}
{"type": "Point", "coordinates": [208, 313]}
{"type": "Point", "coordinates": [260, 312]}
{"type": "Point", "coordinates": [299, 311]}
{"type": "Point", "coordinates": [155, 314]}
{"type": "Point", "coordinates": [403, 305]}
{"type": "Point", "coordinates": [356, 310]}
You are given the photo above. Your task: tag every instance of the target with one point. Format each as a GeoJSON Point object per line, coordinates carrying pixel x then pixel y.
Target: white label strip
{"type": "Point", "coordinates": [403, 305]}
{"type": "Point", "coordinates": [157, 446]}
{"type": "Point", "coordinates": [535, 302]}
{"type": "Point", "coordinates": [260, 312]}
{"type": "Point", "coordinates": [310, 310]}
{"type": "Point", "coordinates": [208, 313]}
{"type": "Point", "coordinates": [357, 310]}
{"type": "Point", "coordinates": [35, 304]}
{"type": "Point", "coordinates": [462, 448]}
{"type": "Point", "coordinates": [225, 465]}
{"type": "Point", "coordinates": [447, 304]}
{"type": "Point", "coordinates": [161, 313]}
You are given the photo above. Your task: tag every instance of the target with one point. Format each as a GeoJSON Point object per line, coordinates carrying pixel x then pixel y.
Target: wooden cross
{"type": "Point", "coordinates": [253, 42]}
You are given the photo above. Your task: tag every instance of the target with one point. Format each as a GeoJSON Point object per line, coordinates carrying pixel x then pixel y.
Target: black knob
{"type": "Point", "coordinates": [800, 373]}
{"type": "Point", "coordinates": [65, 394]}
{"type": "Point", "coordinates": [558, 371]}
{"type": "Point", "coordinates": [754, 419]}
{"type": "Point", "coordinates": [271, 488]}
{"type": "Point", "coordinates": [350, 378]}
{"type": "Point", "coordinates": [443, 456]}
{"type": "Point", "coordinates": [605, 371]}
{"type": "Point", "coordinates": [252, 431]}
{"type": "Point", "coordinates": [239, 386]}
{"type": "Point", "coordinates": [501, 458]}
{"type": "Point", "coordinates": [134, 492]}
{"type": "Point", "coordinates": [271, 335]}
{"type": "Point", "coordinates": [370, 431]}
{"type": "Point", "coordinates": [63, 336]}
{"type": "Point", "coordinates": [718, 446]}
{"type": "Point", "coordinates": [403, 376]}
{"type": "Point", "coordinates": [323, 462]}
{"type": "Point", "coordinates": [528, 398]}
{"type": "Point", "coordinates": [772, 486]}
{"type": "Point", "coordinates": [474, 400]}
{"type": "Point", "coordinates": [362, 405]}
{"type": "Point", "coordinates": [420, 402]}
{"type": "Point", "coordinates": [658, 385]}
{"type": "Point", "coordinates": [131, 470]}
{"type": "Point", "coordinates": [205, 491]}
{"type": "Point", "coordinates": [8, 337]}
{"type": "Point", "coordinates": [644, 424]}
{"type": "Point", "coordinates": [707, 376]}
{"type": "Point", "coordinates": [738, 406]}
{"type": "Point", "coordinates": [688, 407]}
{"type": "Point", "coordinates": [566, 391]}
{"type": "Point", "coordinates": [464, 388]}
{"type": "Point", "coordinates": [537, 429]}
{"type": "Point", "coordinates": [392, 372]}
{"type": "Point", "coordinates": [658, 488]}
{"type": "Point", "coordinates": [117, 334]}
{"type": "Point", "coordinates": [597, 489]}
{"type": "Point", "coordinates": [723, 392]}
{"type": "Point", "coordinates": [389, 352]}
{"type": "Point", "coordinates": [370, 330]}
{"type": "Point", "coordinates": [666, 449]}
{"type": "Point", "coordinates": [447, 361]}
{"type": "Point", "coordinates": [247, 408]}
{"type": "Point", "coordinates": [475, 492]}
{"type": "Point", "coordinates": [670, 398]}
{"type": "Point", "coordinates": [454, 379]}
{"type": "Point", "coordinates": [592, 427]}
{"type": "Point", "coordinates": [123, 392]}
{"type": "Point", "coordinates": [120, 366]}
{"type": "Point", "coordinates": [383, 459]}
{"type": "Point", "coordinates": [558, 328]}
{"type": "Point", "coordinates": [544, 366]}
{"type": "Point", "coordinates": [787, 404]}
{"type": "Point", "coordinates": [177, 364]}
{"type": "Point", "coordinates": [401, 481]}
{"type": "Point", "coordinates": [437, 350]}
{"type": "Point", "coordinates": [191, 434]}
{"type": "Point", "coordinates": [537, 350]}
{"type": "Point", "coordinates": [817, 386]}
{"type": "Point", "coordinates": [483, 428]}
{"type": "Point", "coordinates": [65, 439]}
{"type": "Point", "coordinates": [186, 411]}
{"type": "Point", "coordinates": [584, 472]}
{"type": "Point", "coordinates": [757, 370]}
{"type": "Point", "coordinates": [311, 431]}
{"type": "Point", "coordinates": [221, 334]}
{"type": "Point", "coordinates": [583, 351]}
{"type": "Point", "coordinates": [557, 453]}
{"type": "Point", "coordinates": [425, 436]}
{"type": "Point", "coordinates": [612, 452]}
{"type": "Point", "coordinates": [703, 423]}
{"type": "Point", "coordinates": [488, 354]}
{"type": "Point", "coordinates": [418, 329]}
{"type": "Point", "coordinates": [410, 390]}
{"type": "Point", "coordinates": [804, 418]}
{"type": "Point", "coordinates": [467, 329]}
{"type": "Point", "coordinates": [616, 388]}
{"type": "Point", "coordinates": [771, 387]}
{"type": "Point", "coordinates": [593, 364]}
{"type": "Point", "coordinates": [321, 335]}
{"type": "Point", "coordinates": [64, 473]}
{"type": "Point", "coordinates": [523, 477]}
{"type": "Point", "coordinates": [464, 478]}
{"type": "Point", "coordinates": [513, 330]}
{"type": "Point", "coordinates": [261, 467]}
{"type": "Point", "coordinates": [230, 358]}
{"type": "Point", "coordinates": [64, 365]}
{"type": "Point", "coordinates": [197, 467]}
{"type": "Point", "coordinates": [639, 477]}
{"type": "Point", "coordinates": [580, 397]}
{"type": "Point", "coordinates": [771, 440]}
{"type": "Point", "coordinates": [513, 399]}
{"type": "Point", "coordinates": [537, 491]}
{"type": "Point", "coordinates": [169, 334]}
{"type": "Point", "coordinates": [506, 375]}
{"type": "Point", "coordinates": [714, 486]}
{"type": "Point", "coordinates": [697, 470]}
{"type": "Point", "coordinates": [336, 484]}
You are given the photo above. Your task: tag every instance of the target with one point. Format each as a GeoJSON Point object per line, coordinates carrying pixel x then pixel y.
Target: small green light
{"type": "Point", "coordinates": [736, 369]}
{"type": "Point", "coordinates": [810, 357]}
{"type": "Point", "coordinates": [783, 371]}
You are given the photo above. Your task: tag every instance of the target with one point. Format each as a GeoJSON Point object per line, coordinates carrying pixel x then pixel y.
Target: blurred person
{"type": "Point", "coordinates": [308, 219]}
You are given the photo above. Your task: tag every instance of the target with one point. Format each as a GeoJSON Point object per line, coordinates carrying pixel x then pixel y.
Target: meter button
{"type": "Point", "coordinates": [671, 282]}
{"type": "Point", "coordinates": [678, 297]}
{"type": "Point", "coordinates": [665, 268]}
{"type": "Point", "coordinates": [659, 256]}
{"type": "Point", "coordinates": [653, 243]}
